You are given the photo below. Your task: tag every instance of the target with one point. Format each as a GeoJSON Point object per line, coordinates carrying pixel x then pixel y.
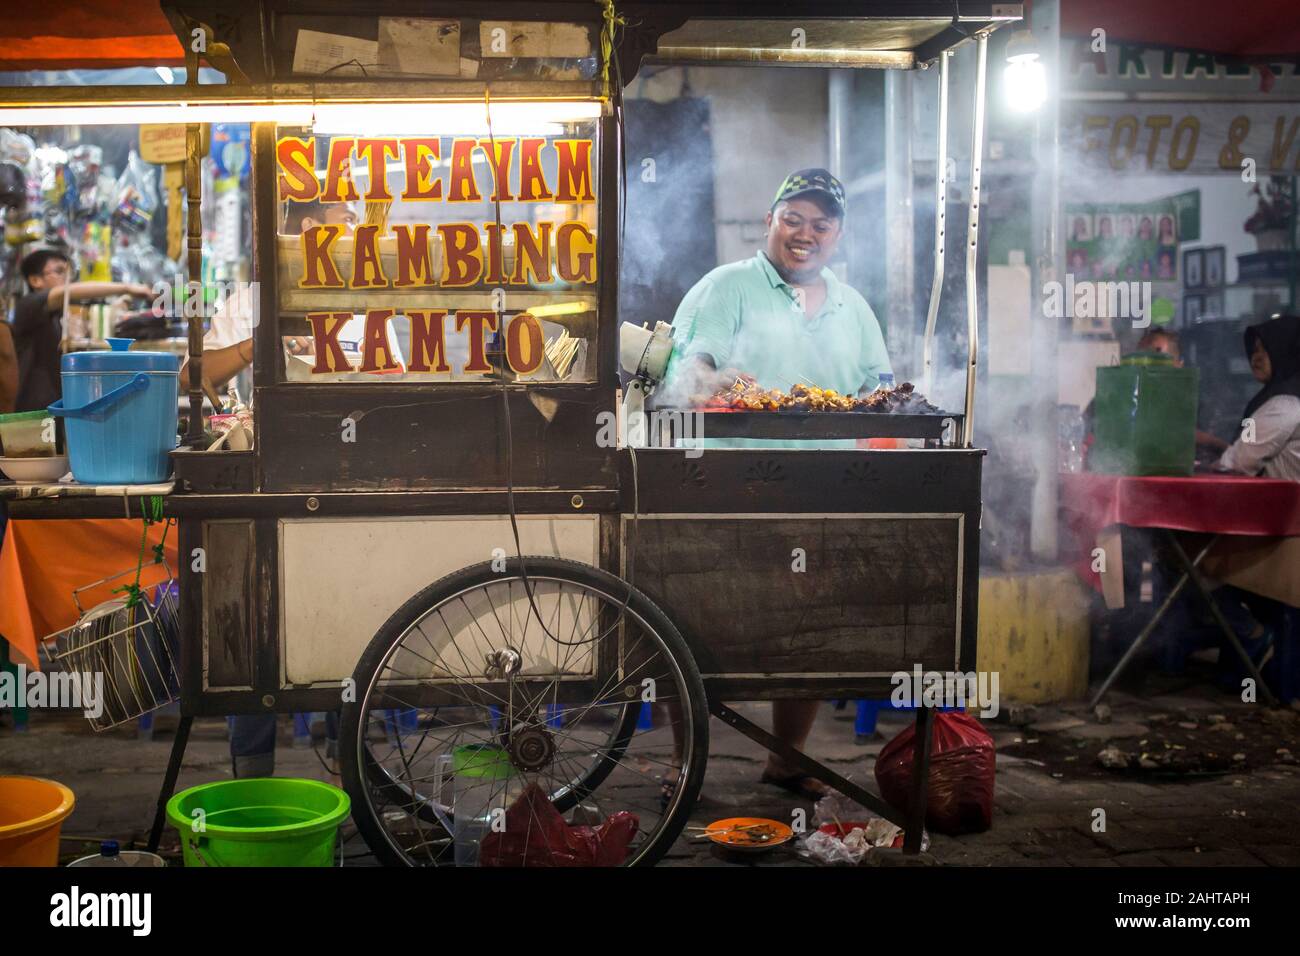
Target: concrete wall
{"type": "Point", "coordinates": [766, 123]}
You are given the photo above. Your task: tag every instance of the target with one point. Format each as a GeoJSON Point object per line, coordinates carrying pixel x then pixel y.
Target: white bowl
{"type": "Point", "coordinates": [49, 468]}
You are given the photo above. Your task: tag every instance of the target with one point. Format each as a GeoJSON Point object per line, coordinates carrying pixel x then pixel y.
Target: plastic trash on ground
{"type": "Point", "coordinates": [961, 774]}
{"type": "Point", "coordinates": [536, 835]}
{"type": "Point", "coordinates": [843, 833]}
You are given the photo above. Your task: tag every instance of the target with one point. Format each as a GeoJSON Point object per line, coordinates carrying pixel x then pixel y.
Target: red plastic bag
{"type": "Point", "coordinates": [536, 835]}
{"type": "Point", "coordinates": [961, 774]}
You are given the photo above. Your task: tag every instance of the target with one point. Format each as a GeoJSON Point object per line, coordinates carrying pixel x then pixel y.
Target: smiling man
{"type": "Point", "coordinates": [781, 317]}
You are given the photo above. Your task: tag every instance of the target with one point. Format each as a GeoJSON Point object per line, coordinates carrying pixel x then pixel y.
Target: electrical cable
{"type": "Point", "coordinates": [505, 391]}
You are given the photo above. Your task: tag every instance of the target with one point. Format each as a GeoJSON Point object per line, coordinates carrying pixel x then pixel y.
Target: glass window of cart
{"type": "Point", "coordinates": [426, 244]}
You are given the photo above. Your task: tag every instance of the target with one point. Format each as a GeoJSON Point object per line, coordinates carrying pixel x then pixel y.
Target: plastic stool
{"type": "Point", "coordinates": [864, 725]}
{"type": "Point", "coordinates": [400, 722]}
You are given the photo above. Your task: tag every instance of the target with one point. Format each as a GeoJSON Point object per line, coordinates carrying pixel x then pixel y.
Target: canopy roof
{"type": "Point", "coordinates": [86, 34]}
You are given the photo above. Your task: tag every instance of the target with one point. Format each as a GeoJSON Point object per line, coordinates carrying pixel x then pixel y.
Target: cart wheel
{"type": "Point", "coordinates": [492, 680]}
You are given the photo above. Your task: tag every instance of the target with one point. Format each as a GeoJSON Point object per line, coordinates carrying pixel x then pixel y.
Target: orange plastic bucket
{"type": "Point", "coordinates": [32, 811]}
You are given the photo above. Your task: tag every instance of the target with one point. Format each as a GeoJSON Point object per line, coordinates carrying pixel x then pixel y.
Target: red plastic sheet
{"type": "Point", "coordinates": [962, 763]}
{"type": "Point", "coordinates": [536, 835]}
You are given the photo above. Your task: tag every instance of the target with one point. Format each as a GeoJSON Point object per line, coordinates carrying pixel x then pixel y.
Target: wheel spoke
{"type": "Point", "coordinates": [580, 740]}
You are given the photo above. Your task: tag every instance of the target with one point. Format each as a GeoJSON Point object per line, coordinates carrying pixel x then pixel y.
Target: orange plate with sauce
{"type": "Point", "coordinates": [747, 839]}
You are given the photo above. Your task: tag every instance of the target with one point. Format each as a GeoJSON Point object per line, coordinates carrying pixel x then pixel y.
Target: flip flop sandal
{"type": "Point", "coordinates": [796, 783]}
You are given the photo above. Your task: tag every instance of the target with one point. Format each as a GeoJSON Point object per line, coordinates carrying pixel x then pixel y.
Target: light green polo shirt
{"type": "Point", "coordinates": [747, 317]}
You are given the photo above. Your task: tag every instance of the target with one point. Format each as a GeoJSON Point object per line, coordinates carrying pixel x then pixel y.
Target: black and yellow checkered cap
{"type": "Point", "coordinates": [812, 181]}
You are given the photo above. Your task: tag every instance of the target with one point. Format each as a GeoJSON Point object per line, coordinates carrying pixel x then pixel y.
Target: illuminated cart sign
{"type": "Point", "coordinates": [419, 255]}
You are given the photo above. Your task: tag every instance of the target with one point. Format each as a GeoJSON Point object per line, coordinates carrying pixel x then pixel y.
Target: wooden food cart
{"type": "Point", "coordinates": [591, 604]}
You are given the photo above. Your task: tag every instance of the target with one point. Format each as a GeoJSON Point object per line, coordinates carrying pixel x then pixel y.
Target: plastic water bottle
{"type": "Point", "coordinates": [110, 854]}
{"type": "Point", "coordinates": [886, 381]}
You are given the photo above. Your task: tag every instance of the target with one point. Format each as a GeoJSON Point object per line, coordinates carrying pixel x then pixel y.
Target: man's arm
{"type": "Point", "coordinates": [700, 377]}
{"type": "Point", "coordinates": [8, 370]}
{"type": "Point", "coordinates": [705, 329]}
{"type": "Point", "coordinates": [221, 365]}
{"type": "Point", "coordinates": [88, 291]}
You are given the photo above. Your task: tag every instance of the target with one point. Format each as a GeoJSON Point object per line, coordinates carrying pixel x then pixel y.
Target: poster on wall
{"type": "Point", "coordinates": [1124, 241]}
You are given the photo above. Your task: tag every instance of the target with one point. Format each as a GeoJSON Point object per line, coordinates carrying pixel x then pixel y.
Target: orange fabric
{"type": "Point", "coordinates": [87, 33]}
{"type": "Point", "coordinates": [43, 562]}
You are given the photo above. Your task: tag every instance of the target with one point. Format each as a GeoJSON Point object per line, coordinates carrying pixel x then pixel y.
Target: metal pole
{"type": "Point", "coordinates": [840, 97]}
{"type": "Point", "coordinates": [972, 240]}
{"type": "Point", "coordinates": [194, 243]}
{"type": "Point", "coordinates": [900, 327]}
{"type": "Point", "coordinates": [940, 212]}
{"type": "Point", "coordinates": [1047, 261]}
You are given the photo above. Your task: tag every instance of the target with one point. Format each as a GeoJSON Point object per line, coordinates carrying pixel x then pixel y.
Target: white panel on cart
{"type": "Point", "coordinates": [342, 578]}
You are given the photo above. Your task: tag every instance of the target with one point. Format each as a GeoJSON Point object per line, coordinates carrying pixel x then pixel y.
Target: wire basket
{"type": "Point", "coordinates": [129, 650]}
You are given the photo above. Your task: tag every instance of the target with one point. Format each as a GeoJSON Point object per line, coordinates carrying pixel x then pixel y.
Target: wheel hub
{"type": "Point", "coordinates": [531, 748]}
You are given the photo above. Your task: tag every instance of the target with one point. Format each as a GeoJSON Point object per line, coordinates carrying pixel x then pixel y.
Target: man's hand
{"type": "Point", "coordinates": [701, 380]}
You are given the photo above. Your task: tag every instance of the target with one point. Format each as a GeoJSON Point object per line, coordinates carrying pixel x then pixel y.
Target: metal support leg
{"type": "Point", "coordinates": [920, 781]}
{"type": "Point", "coordinates": [169, 781]}
{"type": "Point", "coordinates": [1190, 570]}
{"type": "Point", "coordinates": [796, 758]}
{"type": "Point", "coordinates": [1150, 627]}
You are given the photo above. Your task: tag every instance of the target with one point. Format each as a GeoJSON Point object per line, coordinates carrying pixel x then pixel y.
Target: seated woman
{"type": "Point", "coordinates": [1268, 443]}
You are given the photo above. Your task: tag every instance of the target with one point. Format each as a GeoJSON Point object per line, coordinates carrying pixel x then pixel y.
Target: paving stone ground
{"type": "Point", "coordinates": [1044, 809]}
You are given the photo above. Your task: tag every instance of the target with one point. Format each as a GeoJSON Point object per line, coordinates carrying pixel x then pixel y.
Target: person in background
{"type": "Point", "coordinates": [8, 396]}
{"type": "Point", "coordinates": [37, 325]}
{"type": "Point", "coordinates": [230, 338]}
{"type": "Point", "coordinates": [1166, 342]}
{"type": "Point", "coordinates": [1267, 446]}
{"type": "Point", "coordinates": [1140, 545]}
{"type": "Point", "coordinates": [1268, 443]}
{"type": "Point", "coordinates": [228, 343]}
{"type": "Point", "coordinates": [8, 370]}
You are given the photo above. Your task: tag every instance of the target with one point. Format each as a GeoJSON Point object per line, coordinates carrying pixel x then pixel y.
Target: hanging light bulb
{"type": "Point", "coordinates": [1025, 79]}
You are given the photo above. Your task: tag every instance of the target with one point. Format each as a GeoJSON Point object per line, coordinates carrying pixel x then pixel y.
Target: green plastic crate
{"type": "Point", "coordinates": [1145, 418]}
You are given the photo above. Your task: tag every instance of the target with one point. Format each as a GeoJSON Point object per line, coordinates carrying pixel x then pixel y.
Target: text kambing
{"type": "Point", "coordinates": [544, 252]}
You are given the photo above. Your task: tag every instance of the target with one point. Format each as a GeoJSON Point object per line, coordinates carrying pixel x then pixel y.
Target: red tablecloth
{"type": "Point", "coordinates": [1212, 504]}
{"type": "Point", "coordinates": [1209, 504]}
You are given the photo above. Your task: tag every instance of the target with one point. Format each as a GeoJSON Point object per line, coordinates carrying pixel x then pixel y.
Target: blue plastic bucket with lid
{"type": "Point", "coordinates": [120, 408]}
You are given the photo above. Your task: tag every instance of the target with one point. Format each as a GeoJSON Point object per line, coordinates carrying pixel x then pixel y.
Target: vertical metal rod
{"type": "Point", "coordinates": [972, 240]}
{"type": "Point", "coordinates": [194, 268]}
{"type": "Point", "coordinates": [1047, 261]}
{"type": "Point", "coordinates": [919, 800]}
{"type": "Point", "coordinates": [900, 279]}
{"type": "Point", "coordinates": [839, 105]}
{"type": "Point", "coordinates": [940, 211]}
{"type": "Point", "coordinates": [181, 740]}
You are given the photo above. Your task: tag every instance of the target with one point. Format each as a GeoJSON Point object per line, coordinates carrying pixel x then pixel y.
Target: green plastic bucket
{"type": "Point", "coordinates": [264, 821]}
